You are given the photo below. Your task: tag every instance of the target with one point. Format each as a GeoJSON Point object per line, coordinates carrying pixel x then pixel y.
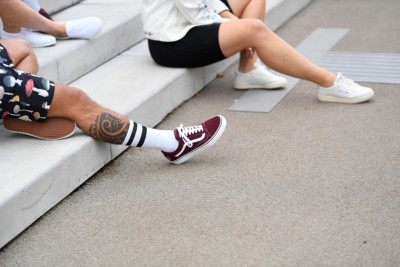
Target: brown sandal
{"type": "Point", "coordinates": [50, 129]}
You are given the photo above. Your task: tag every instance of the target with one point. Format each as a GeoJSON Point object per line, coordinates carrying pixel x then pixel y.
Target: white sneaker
{"type": "Point", "coordinates": [85, 28]}
{"type": "Point", "coordinates": [344, 91]}
{"type": "Point", "coordinates": [36, 39]}
{"type": "Point", "coordinates": [259, 77]}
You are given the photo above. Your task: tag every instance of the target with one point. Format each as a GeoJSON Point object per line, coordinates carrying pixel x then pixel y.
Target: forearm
{"type": "Point", "coordinates": [228, 15]}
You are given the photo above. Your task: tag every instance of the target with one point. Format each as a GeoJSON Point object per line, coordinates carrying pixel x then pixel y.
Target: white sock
{"type": "Point", "coordinates": [141, 136]}
{"type": "Point", "coordinates": [85, 28]}
{"type": "Point", "coordinates": [34, 4]}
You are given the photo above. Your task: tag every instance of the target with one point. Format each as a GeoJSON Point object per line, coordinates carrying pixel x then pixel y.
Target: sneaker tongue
{"type": "Point", "coordinates": [176, 133]}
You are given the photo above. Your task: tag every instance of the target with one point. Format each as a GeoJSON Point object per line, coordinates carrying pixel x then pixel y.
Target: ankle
{"type": "Point", "coordinates": [246, 63]}
{"type": "Point", "coordinates": [245, 70]}
{"type": "Point", "coordinates": [60, 30]}
{"type": "Point", "coordinates": [329, 81]}
{"type": "Point", "coordinates": [245, 67]}
{"type": "Point", "coordinates": [11, 30]}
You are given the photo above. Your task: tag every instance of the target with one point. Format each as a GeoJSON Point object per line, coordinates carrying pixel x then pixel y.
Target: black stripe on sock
{"type": "Point", "coordinates": [129, 143]}
{"type": "Point", "coordinates": [143, 137]}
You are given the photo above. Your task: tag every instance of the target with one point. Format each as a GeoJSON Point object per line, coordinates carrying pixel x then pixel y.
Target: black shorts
{"type": "Point", "coordinates": [227, 4]}
{"type": "Point", "coordinates": [23, 95]}
{"type": "Point", "coordinates": [198, 48]}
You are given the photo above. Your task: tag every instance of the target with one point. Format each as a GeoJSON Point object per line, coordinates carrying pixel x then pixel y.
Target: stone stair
{"type": "Point", "coordinates": [116, 70]}
{"type": "Point", "coordinates": [53, 7]}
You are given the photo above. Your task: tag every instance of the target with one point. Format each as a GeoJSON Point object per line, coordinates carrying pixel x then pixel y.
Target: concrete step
{"type": "Point", "coordinates": [36, 175]}
{"type": "Point", "coordinates": [52, 6]}
{"type": "Point", "coordinates": [71, 59]}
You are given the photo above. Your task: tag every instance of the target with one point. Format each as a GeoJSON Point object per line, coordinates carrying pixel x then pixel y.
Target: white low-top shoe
{"type": "Point", "coordinates": [36, 39]}
{"type": "Point", "coordinates": [259, 77]}
{"type": "Point", "coordinates": [344, 91]}
{"type": "Point", "coordinates": [85, 28]}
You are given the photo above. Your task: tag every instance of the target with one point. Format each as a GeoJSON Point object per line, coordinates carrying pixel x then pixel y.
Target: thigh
{"type": "Point", "coordinates": [237, 35]}
{"type": "Point", "coordinates": [226, 2]}
{"type": "Point", "coordinates": [200, 47]}
{"type": "Point", "coordinates": [237, 6]}
{"type": "Point", "coordinates": [247, 8]}
{"type": "Point", "coordinates": [23, 95]}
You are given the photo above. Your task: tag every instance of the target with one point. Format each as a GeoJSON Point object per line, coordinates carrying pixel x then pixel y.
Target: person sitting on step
{"type": "Point", "coordinates": [38, 107]}
{"type": "Point", "coordinates": [22, 22]}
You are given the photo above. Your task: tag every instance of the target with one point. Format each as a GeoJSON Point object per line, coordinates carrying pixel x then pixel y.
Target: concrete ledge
{"type": "Point", "coordinates": [36, 175]}
{"type": "Point", "coordinates": [35, 183]}
{"type": "Point", "coordinates": [52, 6]}
{"type": "Point", "coordinates": [71, 59]}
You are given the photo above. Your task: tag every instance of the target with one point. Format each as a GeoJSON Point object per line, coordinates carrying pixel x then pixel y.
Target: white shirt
{"type": "Point", "coordinates": [170, 20]}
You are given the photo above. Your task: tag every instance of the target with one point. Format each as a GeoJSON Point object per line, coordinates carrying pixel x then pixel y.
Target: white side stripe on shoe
{"type": "Point", "coordinates": [190, 144]}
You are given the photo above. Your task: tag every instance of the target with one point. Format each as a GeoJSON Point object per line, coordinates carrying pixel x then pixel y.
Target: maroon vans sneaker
{"type": "Point", "coordinates": [194, 139]}
{"type": "Point", "coordinates": [50, 129]}
{"type": "Point", "coordinates": [45, 14]}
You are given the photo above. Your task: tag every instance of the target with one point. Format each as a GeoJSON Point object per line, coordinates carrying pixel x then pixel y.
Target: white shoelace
{"type": "Point", "coordinates": [185, 131]}
{"type": "Point", "coordinates": [345, 82]}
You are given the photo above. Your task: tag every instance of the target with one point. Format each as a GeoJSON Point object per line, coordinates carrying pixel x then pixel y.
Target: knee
{"type": "Point", "coordinates": [84, 108]}
{"type": "Point", "coordinates": [79, 100]}
{"type": "Point", "coordinates": [257, 27]}
{"type": "Point", "coordinates": [70, 102]}
{"type": "Point", "coordinates": [21, 51]}
{"type": "Point", "coordinates": [17, 48]}
{"type": "Point", "coordinates": [26, 49]}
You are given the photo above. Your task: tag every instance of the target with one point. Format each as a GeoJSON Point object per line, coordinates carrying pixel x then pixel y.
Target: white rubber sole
{"type": "Point", "coordinates": [270, 86]}
{"type": "Point", "coordinates": [335, 99]}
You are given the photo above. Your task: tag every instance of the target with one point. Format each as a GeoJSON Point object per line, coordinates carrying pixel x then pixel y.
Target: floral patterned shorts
{"type": "Point", "coordinates": [23, 95]}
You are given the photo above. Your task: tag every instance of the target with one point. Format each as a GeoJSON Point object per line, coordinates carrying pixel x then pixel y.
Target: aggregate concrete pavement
{"type": "Point", "coordinates": [309, 184]}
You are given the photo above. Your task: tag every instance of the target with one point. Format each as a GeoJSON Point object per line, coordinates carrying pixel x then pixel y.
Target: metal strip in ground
{"type": "Point", "coordinates": [314, 47]}
{"type": "Point", "coordinates": [364, 67]}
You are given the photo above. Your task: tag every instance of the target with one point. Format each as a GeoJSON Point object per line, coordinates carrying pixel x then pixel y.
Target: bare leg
{"type": "Point", "coordinates": [237, 35]}
{"type": "Point", "coordinates": [68, 102]}
{"type": "Point", "coordinates": [21, 54]}
{"type": "Point", "coordinates": [248, 9]}
{"type": "Point", "coordinates": [16, 14]}
{"type": "Point", "coordinates": [91, 118]}
{"type": "Point", "coordinates": [106, 125]}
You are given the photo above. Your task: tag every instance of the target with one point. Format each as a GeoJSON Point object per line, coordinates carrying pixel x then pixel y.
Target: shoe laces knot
{"type": "Point", "coordinates": [184, 132]}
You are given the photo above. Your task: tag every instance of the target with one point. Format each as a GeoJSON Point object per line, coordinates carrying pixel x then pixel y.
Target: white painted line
{"type": "Point", "coordinates": [364, 67]}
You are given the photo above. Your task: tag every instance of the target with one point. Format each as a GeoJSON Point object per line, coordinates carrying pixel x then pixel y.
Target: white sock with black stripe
{"type": "Point", "coordinates": [141, 136]}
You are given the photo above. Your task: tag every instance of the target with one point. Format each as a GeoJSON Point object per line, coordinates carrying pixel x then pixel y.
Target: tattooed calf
{"type": "Point", "coordinates": [108, 128]}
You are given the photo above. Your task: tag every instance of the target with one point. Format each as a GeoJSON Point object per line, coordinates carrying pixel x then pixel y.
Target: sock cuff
{"type": "Point", "coordinates": [142, 137]}
{"type": "Point", "coordinates": [128, 136]}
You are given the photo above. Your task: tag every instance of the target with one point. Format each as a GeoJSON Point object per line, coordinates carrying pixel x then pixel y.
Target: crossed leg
{"type": "Point", "coordinates": [16, 14]}
{"type": "Point", "coordinates": [238, 35]}
{"type": "Point", "coordinates": [22, 55]}
{"type": "Point", "coordinates": [93, 119]}
{"type": "Point", "coordinates": [248, 9]}
{"type": "Point", "coordinates": [68, 102]}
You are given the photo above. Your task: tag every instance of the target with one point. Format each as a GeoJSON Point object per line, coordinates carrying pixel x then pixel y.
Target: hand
{"type": "Point", "coordinates": [250, 52]}
{"type": "Point", "coordinates": [228, 15]}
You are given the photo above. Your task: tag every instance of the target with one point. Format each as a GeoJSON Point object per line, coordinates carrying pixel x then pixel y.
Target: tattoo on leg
{"type": "Point", "coordinates": [108, 128]}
